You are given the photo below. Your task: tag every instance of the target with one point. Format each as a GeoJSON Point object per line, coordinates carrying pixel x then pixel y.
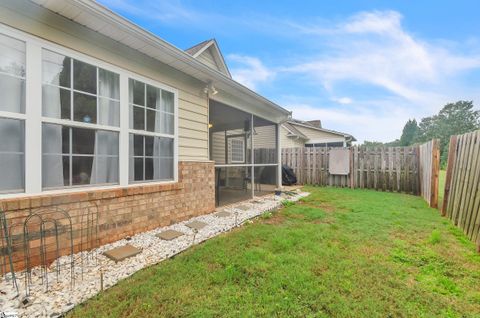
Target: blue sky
{"type": "Point", "coordinates": [362, 67]}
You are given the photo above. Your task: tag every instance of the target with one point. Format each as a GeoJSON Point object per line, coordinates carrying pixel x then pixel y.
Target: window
{"type": "Point", "coordinates": [237, 150]}
{"type": "Point", "coordinates": [152, 158]}
{"type": "Point", "coordinates": [73, 123]}
{"type": "Point", "coordinates": [152, 131]}
{"type": "Point", "coordinates": [78, 156]}
{"type": "Point", "coordinates": [12, 108]}
{"type": "Point", "coordinates": [74, 90]}
{"type": "Point", "coordinates": [81, 95]}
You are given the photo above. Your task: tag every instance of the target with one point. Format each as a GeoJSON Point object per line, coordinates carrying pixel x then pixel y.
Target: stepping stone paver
{"type": "Point", "coordinates": [223, 214]}
{"type": "Point", "coordinates": [120, 253]}
{"type": "Point", "coordinates": [243, 207]}
{"type": "Point", "coordinates": [169, 235]}
{"type": "Point", "coordinates": [197, 225]}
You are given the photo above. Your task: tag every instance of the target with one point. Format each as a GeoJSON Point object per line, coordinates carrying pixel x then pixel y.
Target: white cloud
{"type": "Point", "coordinates": [249, 71]}
{"type": "Point", "coordinates": [374, 48]}
{"type": "Point", "coordinates": [342, 100]}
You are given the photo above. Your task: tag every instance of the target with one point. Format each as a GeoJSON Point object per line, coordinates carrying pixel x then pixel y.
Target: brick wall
{"type": "Point", "coordinates": [121, 212]}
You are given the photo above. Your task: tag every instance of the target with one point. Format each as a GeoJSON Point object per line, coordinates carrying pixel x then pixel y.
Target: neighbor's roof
{"type": "Point", "coordinates": [294, 132]}
{"type": "Point", "coordinates": [306, 124]}
{"type": "Point", "coordinates": [102, 20]}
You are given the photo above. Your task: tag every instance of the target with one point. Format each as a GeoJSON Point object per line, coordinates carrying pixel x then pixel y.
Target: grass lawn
{"type": "Point", "coordinates": [337, 253]}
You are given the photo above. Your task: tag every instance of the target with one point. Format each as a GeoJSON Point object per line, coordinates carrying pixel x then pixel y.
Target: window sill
{"type": "Point", "coordinates": [66, 196]}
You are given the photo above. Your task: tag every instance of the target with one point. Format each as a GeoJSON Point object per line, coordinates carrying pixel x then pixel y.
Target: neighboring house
{"type": "Point", "coordinates": [297, 133]}
{"type": "Point", "coordinates": [98, 111]}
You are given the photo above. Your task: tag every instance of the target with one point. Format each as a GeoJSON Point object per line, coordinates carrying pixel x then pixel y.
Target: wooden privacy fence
{"type": "Point", "coordinates": [462, 185]}
{"type": "Point", "coordinates": [386, 168]}
{"type": "Point", "coordinates": [411, 170]}
{"type": "Point", "coordinates": [429, 165]}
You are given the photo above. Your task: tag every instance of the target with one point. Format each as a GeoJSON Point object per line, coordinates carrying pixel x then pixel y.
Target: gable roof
{"type": "Point", "coordinates": [294, 132]}
{"type": "Point", "coordinates": [96, 17]}
{"type": "Point", "coordinates": [309, 125]}
{"type": "Point", "coordinates": [210, 50]}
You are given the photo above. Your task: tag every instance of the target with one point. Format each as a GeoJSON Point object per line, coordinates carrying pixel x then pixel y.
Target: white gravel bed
{"type": "Point", "coordinates": [62, 297]}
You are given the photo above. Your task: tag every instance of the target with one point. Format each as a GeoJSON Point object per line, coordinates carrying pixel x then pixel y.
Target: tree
{"type": "Point", "coordinates": [453, 119]}
{"type": "Point", "coordinates": [409, 133]}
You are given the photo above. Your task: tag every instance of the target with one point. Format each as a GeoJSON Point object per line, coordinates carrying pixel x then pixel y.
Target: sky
{"type": "Point", "coordinates": [361, 67]}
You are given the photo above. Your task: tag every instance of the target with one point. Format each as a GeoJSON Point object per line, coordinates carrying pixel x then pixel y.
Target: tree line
{"type": "Point", "coordinates": [453, 119]}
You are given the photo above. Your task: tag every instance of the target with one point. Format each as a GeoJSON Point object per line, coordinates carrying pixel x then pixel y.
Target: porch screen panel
{"type": "Point", "coordinates": [264, 141]}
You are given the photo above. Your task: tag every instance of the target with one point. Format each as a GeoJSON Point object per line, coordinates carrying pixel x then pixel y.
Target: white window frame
{"type": "Point", "coordinates": [34, 119]}
{"type": "Point", "coordinates": [145, 132]}
{"type": "Point", "coordinates": [236, 139]}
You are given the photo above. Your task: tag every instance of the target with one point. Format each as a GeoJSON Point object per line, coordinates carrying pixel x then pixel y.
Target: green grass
{"type": "Point", "coordinates": [337, 253]}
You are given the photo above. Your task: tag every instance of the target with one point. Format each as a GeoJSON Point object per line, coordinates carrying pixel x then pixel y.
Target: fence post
{"type": "Point", "coordinates": [435, 172]}
{"type": "Point", "coordinates": [452, 154]}
{"type": "Point", "coordinates": [352, 165]}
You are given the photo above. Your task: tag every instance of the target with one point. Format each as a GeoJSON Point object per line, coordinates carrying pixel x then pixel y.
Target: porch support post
{"type": "Point", "coordinates": [279, 158]}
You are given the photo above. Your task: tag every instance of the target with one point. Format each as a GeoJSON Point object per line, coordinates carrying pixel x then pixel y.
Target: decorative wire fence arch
{"type": "Point", "coordinates": [47, 246]}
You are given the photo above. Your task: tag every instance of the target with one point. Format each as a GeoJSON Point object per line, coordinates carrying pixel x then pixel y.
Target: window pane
{"type": "Point", "coordinates": [56, 69]}
{"type": "Point", "coordinates": [138, 145]}
{"type": "Point", "coordinates": [85, 108]}
{"type": "Point", "coordinates": [108, 84]}
{"type": "Point", "coordinates": [12, 167]}
{"type": "Point", "coordinates": [148, 168]}
{"type": "Point", "coordinates": [167, 102]}
{"type": "Point", "coordinates": [107, 143]}
{"type": "Point", "coordinates": [153, 97]}
{"type": "Point", "coordinates": [84, 77]}
{"type": "Point", "coordinates": [81, 170]}
{"type": "Point", "coordinates": [164, 146]}
{"type": "Point", "coordinates": [108, 112]}
{"type": "Point", "coordinates": [165, 166]}
{"type": "Point", "coordinates": [55, 139]}
{"type": "Point", "coordinates": [55, 171]}
{"type": "Point", "coordinates": [83, 141]}
{"type": "Point", "coordinates": [106, 170]}
{"type": "Point", "coordinates": [137, 118]}
{"type": "Point", "coordinates": [152, 117]}
{"type": "Point", "coordinates": [149, 146]}
{"type": "Point", "coordinates": [11, 135]}
{"type": "Point", "coordinates": [137, 92]}
{"type": "Point", "coordinates": [138, 174]}
{"type": "Point", "coordinates": [12, 56]}
{"type": "Point", "coordinates": [166, 123]}
{"type": "Point", "coordinates": [12, 148]}
{"type": "Point", "coordinates": [12, 92]}
{"type": "Point", "coordinates": [56, 102]}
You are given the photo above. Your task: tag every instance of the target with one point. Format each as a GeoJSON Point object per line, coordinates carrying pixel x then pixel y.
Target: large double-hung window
{"type": "Point", "coordinates": [81, 116]}
{"type": "Point", "coordinates": [151, 138]}
{"type": "Point", "coordinates": [12, 118]}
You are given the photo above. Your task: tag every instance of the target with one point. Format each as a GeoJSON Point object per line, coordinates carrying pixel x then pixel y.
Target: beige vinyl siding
{"type": "Point", "coordinates": [193, 104]}
{"type": "Point", "coordinates": [206, 57]}
{"type": "Point", "coordinates": [289, 142]}
{"type": "Point", "coordinates": [317, 136]}
{"type": "Point", "coordinates": [265, 137]}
